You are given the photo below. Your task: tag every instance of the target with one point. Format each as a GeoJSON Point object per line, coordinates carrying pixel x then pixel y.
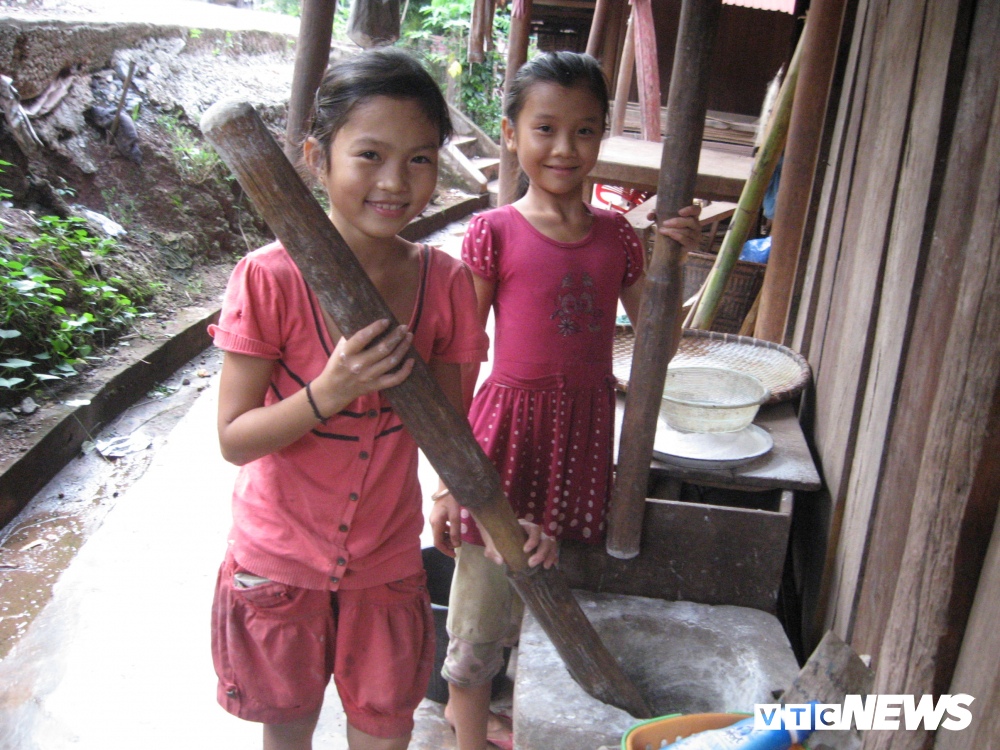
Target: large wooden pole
{"type": "Point", "coordinates": [658, 329]}
{"type": "Point", "coordinates": [599, 28]}
{"type": "Point", "coordinates": [624, 84]}
{"type": "Point", "coordinates": [348, 295]}
{"type": "Point", "coordinates": [805, 130]}
{"type": "Point", "coordinates": [517, 54]}
{"type": "Point", "coordinates": [312, 52]}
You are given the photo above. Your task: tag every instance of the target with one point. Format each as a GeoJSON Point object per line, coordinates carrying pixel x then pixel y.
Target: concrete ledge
{"type": "Point", "coordinates": [64, 428]}
{"type": "Point", "coordinates": [684, 657]}
{"type": "Point", "coordinates": [431, 222]}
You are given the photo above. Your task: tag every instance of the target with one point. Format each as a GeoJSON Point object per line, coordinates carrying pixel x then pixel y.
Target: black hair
{"type": "Point", "coordinates": [566, 69]}
{"type": "Point", "coordinates": [383, 71]}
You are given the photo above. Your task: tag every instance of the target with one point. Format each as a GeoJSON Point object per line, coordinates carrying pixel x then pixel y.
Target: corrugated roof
{"type": "Point", "coordinates": [784, 6]}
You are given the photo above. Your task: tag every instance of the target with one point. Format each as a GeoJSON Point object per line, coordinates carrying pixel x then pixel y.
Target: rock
{"type": "Point", "coordinates": [28, 406]}
{"type": "Point", "coordinates": [7, 417]}
{"type": "Point", "coordinates": [683, 657]}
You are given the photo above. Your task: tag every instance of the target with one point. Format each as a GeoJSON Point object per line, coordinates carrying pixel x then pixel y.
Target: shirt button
{"type": "Point", "coordinates": [372, 413]}
{"type": "Point", "coordinates": [334, 579]}
{"type": "Point", "coordinates": [343, 527]}
{"type": "Point", "coordinates": [341, 561]}
{"type": "Point", "coordinates": [353, 496]}
{"type": "Point", "coordinates": [363, 454]}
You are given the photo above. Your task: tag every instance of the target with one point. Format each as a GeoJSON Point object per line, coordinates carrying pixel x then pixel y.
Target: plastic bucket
{"type": "Point", "coordinates": [666, 730]}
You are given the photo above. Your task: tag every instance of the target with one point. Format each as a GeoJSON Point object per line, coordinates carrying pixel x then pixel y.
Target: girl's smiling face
{"type": "Point", "coordinates": [557, 136]}
{"type": "Point", "coordinates": [382, 168]}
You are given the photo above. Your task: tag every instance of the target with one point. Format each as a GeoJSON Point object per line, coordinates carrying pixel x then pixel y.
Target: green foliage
{"type": "Point", "coordinates": [442, 38]}
{"type": "Point", "coordinates": [54, 307]}
{"type": "Point", "coordinates": [289, 7]}
{"type": "Point", "coordinates": [194, 159]}
{"type": "Point", "coordinates": [481, 93]}
{"type": "Point", "coordinates": [4, 194]}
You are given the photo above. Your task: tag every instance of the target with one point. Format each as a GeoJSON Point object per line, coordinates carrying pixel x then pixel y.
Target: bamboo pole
{"type": "Point", "coordinates": [346, 292]}
{"type": "Point", "coordinates": [820, 41]}
{"type": "Point", "coordinates": [751, 198]}
{"type": "Point", "coordinates": [658, 333]}
{"type": "Point", "coordinates": [624, 82]}
{"type": "Point", "coordinates": [312, 52]}
{"type": "Point", "coordinates": [517, 54]}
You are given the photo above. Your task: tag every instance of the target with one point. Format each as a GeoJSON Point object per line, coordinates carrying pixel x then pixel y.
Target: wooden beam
{"type": "Point", "coordinates": [312, 53]}
{"type": "Point", "coordinates": [598, 28]}
{"type": "Point", "coordinates": [624, 83]}
{"type": "Point", "coordinates": [659, 332]}
{"type": "Point", "coordinates": [647, 68]}
{"type": "Point", "coordinates": [348, 295]}
{"type": "Point", "coordinates": [805, 128]}
{"type": "Point", "coordinates": [517, 54]}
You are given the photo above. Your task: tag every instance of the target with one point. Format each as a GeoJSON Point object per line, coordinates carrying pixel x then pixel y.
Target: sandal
{"type": "Point", "coordinates": [504, 740]}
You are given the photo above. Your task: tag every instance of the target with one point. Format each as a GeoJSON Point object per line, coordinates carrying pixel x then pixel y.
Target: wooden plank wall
{"type": "Point", "coordinates": [896, 318]}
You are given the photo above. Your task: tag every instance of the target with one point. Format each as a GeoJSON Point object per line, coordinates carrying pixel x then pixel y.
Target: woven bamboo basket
{"type": "Point", "coordinates": [741, 289]}
{"type": "Point", "coordinates": [783, 371]}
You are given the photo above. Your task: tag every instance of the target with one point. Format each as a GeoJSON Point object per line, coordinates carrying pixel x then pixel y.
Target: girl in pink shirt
{"type": "Point", "coordinates": [324, 574]}
{"type": "Point", "coordinates": [553, 268]}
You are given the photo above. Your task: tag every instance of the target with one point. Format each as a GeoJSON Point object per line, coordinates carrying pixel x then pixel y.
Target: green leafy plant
{"type": "Point", "coordinates": [54, 305]}
{"type": "Point", "coordinates": [442, 39]}
{"type": "Point", "coordinates": [287, 7]}
{"type": "Point", "coordinates": [194, 159]}
{"type": "Point", "coordinates": [4, 193]}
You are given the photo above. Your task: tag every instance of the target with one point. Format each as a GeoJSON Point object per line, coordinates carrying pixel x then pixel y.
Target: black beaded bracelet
{"type": "Point", "coordinates": [312, 403]}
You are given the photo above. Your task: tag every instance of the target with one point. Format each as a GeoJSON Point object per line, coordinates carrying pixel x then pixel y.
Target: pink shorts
{"type": "Point", "coordinates": [275, 647]}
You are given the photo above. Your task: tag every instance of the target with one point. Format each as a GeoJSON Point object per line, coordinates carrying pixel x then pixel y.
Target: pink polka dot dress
{"type": "Point", "coordinates": [545, 414]}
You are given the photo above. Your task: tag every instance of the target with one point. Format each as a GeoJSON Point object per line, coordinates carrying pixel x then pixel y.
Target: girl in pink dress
{"type": "Point", "coordinates": [553, 268]}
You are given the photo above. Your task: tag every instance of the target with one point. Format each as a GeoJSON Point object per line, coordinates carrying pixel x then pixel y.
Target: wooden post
{"type": "Point", "coordinates": [648, 70]}
{"type": "Point", "coordinates": [624, 83]}
{"type": "Point", "coordinates": [805, 129]}
{"type": "Point", "coordinates": [311, 55]}
{"type": "Point", "coordinates": [658, 333]}
{"type": "Point", "coordinates": [517, 53]}
{"type": "Point", "coordinates": [346, 292]}
{"type": "Point", "coordinates": [598, 28]}
{"type": "Point", "coordinates": [614, 36]}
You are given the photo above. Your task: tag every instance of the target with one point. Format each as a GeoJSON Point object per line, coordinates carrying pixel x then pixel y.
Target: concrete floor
{"type": "Point", "coordinates": [119, 656]}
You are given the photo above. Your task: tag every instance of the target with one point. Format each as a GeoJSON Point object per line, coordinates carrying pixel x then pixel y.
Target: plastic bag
{"type": "Point", "coordinates": [756, 251]}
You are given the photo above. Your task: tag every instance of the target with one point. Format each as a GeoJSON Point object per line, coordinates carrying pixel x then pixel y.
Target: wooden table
{"type": "Point", "coordinates": [787, 466]}
{"type": "Point", "coordinates": [633, 163]}
{"type": "Point", "coordinates": [715, 536]}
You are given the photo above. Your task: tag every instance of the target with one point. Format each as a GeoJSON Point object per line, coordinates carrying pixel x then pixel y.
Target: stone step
{"type": "Point", "coordinates": [493, 190]}
{"type": "Point", "coordinates": [467, 144]}
{"type": "Point", "coordinates": [488, 166]}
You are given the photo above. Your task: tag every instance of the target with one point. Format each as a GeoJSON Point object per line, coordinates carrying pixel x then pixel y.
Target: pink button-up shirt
{"type": "Point", "coordinates": [341, 506]}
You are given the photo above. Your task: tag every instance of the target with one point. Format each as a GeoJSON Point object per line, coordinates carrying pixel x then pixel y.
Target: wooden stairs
{"type": "Point", "coordinates": [472, 158]}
